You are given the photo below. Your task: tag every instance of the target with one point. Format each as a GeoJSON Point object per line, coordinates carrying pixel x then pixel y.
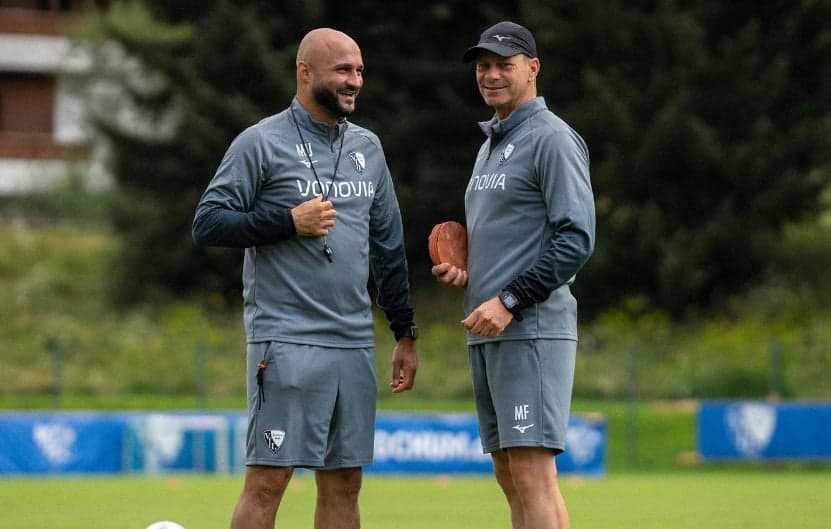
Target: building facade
{"type": "Point", "coordinates": [43, 134]}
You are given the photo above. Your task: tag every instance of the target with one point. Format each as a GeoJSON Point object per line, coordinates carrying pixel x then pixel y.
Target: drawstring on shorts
{"type": "Point", "coordinates": [260, 391]}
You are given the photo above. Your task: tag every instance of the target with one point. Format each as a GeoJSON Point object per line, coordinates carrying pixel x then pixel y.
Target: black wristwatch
{"type": "Point", "coordinates": [511, 303]}
{"type": "Point", "coordinates": [410, 332]}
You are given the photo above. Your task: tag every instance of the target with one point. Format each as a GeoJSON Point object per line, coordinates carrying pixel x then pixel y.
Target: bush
{"type": "Point", "coordinates": [55, 314]}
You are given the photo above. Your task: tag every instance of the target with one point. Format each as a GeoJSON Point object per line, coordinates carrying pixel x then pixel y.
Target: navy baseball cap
{"type": "Point", "coordinates": [505, 39]}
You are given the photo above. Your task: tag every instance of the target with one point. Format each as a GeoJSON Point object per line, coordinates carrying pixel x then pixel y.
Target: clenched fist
{"type": "Point", "coordinates": [488, 319]}
{"type": "Point", "coordinates": [314, 218]}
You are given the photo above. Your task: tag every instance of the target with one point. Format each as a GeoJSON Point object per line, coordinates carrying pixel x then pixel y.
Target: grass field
{"type": "Point", "coordinates": [735, 499]}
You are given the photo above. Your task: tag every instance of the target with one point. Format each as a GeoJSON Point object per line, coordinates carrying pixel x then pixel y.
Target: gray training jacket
{"type": "Point", "coordinates": [530, 221]}
{"type": "Point", "coordinates": [291, 292]}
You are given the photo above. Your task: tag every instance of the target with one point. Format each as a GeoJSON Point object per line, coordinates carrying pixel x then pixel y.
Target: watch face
{"type": "Point", "coordinates": [509, 300]}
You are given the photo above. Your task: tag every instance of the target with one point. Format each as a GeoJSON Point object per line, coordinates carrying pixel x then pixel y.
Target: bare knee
{"type": "Point", "coordinates": [532, 470]}
{"type": "Point", "coordinates": [502, 470]}
{"type": "Point", "coordinates": [340, 483]}
{"type": "Point", "coordinates": [266, 485]}
{"type": "Point", "coordinates": [261, 495]}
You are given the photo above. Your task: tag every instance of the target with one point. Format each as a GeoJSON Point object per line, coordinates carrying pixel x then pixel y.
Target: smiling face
{"type": "Point", "coordinates": [329, 75]}
{"type": "Point", "coordinates": [506, 82]}
{"type": "Point", "coordinates": [336, 88]}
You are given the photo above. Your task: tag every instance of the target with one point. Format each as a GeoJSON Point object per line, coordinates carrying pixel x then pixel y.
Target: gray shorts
{"type": "Point", "coordinates": [522, 390]}
{"type": "Point", "coordinates": [315, 407]}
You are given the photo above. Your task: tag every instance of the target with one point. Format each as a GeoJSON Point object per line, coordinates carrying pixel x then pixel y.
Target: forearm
{"type": "Point", "coordinates": [567, 252]}
{"type": "Point", "coordinates": [389, 267]}
{"type": "Point", "coordinates": [215, 226]}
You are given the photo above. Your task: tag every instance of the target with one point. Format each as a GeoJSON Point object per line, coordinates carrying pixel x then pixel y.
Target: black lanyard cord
{"type": "Point", "coordinates": [327, 250]}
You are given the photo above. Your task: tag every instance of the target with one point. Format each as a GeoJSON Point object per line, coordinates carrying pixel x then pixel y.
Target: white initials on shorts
{"type": "Point", "coordinates": [521, 414]}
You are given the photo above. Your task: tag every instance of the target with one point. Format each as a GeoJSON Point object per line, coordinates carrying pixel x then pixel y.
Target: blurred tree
{"type": "Point", "coordinates": [708, 124]}
{"type": "Point", "coordinates": [203, 71]}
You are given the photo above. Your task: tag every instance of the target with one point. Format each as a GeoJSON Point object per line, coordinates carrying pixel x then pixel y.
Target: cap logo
{"type": "Point", "coordinates": [500, 38]}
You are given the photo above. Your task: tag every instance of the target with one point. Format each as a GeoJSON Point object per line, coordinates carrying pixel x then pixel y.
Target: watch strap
{"type": "Point", "coordinates": [410, 331]}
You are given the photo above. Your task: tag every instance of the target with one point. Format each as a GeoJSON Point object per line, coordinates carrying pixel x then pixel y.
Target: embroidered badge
{"type": "Point", "coordinates": [274, 438]}
{"type": "Point", "coordinates": [506, 153]}
{"type": "Point", "coordinates": [358, 161]}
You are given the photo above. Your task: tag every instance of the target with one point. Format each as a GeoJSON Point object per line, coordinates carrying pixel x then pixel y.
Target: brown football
{"type": "Point", "coordinates": [447, 243]}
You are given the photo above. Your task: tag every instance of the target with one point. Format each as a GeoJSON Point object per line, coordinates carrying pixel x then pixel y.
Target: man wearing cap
{"type": "Point", "coordinates": [531, 227]}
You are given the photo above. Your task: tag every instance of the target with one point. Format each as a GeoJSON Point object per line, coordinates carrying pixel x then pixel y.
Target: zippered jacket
{"type": "Point", "coordinates": [531, 221]}
{"type": "Point", "coordinates": [291, 292]}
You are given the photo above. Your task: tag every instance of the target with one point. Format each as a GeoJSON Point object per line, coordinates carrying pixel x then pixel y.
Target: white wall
{"type": "Point", "coordinates": [50, 55]}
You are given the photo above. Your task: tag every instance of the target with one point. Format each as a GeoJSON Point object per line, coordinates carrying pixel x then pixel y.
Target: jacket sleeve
{"type": "Point", "coordinates": [228, 214]}
{"type": "Point", "coordinates": [562, 164]}
{"type": "Point", "coordinates": [388, 260]}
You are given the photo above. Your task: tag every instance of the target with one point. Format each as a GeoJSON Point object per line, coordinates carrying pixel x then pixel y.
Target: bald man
{"type": "Point", "coordinates": [309, 196]}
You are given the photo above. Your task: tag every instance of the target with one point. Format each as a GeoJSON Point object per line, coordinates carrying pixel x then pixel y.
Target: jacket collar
{"type": "Point", "coordinates": [307, 122]}
{"type": "Point", "coordinates": [494, 128]}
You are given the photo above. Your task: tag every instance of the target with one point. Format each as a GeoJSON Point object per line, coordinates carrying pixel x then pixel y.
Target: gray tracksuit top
{"type": "Point", "coordinates": [530, 221]}
{"type": "Point", "coordinates": [291, 292]}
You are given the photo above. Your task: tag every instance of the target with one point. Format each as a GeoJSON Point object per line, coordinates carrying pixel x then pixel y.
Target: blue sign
{"type": "Point", "coordinates": [764, 430]}
{"type": "Point", "coordinates": [61, 443]}
{"type": "Point", "coordinates": [449, 443]}
{"type": "Point", "coordinates": [182, 442]}
{"type": "Point", "coordinates": [428, 444]}
{"type": "Point", "coordinates": [586, 442]}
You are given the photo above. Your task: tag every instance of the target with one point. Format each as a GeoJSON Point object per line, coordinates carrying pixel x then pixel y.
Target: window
{"type": "Point", "coordinates": [26, 102]}
{"type": "Point", "coordinates": [26, 122]}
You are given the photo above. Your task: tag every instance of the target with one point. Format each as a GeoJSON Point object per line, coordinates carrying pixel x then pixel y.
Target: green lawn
{"type": "Point", "coordinates": [735, 499]}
